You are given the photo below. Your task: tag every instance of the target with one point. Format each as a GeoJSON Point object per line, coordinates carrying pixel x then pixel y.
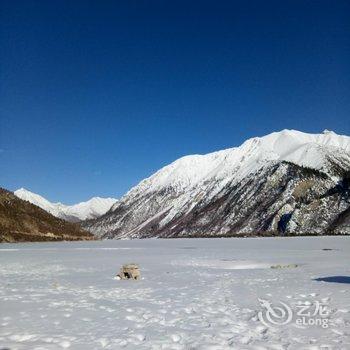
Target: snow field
{"type": "Point", "coordinates": [194, 294]}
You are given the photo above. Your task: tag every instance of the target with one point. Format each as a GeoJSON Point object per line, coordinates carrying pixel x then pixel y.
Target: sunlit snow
{"type": "Point", "coordinates": [90, 209]}
{"type": "Point", "coordinates": [194, 293]}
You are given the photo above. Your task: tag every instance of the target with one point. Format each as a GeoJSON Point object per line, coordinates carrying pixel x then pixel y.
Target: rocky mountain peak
{"type": "Point", "coordinates": [241, 190]}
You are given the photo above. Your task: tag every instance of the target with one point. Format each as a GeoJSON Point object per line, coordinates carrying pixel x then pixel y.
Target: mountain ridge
{"type": "Point", "coordinates": [22, 221]}
{"type": "Point", "coordinates": [90, 209]}
{"type": "Point", "coordinates": [159, 204]}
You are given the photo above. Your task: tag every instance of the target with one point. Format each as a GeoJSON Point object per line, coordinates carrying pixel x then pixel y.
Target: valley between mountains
{"type": "Point", "coordinates": [284, 183]}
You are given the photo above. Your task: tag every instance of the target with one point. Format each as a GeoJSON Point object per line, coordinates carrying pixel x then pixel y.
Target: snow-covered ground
{"type": "Point", "coordinates": [194, 294]}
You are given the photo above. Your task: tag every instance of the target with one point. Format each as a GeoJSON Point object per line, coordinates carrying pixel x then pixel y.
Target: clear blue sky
{"type": "Point", "coordinates": [96, 95]}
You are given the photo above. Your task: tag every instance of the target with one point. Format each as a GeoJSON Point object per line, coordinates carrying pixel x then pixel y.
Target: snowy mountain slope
{"type": "Point", "coordinates": [296, 147]}
{"type": "Point", "coordinates": [93, 208]}
{"type": "Point", "coordinates": [248, 189]}
{"type": "Point", "coordinates": [55, 209]}
{"type": "Point", "coordinates": [90, 209]}
{"type": "Point", "coordinates": [21, 221]}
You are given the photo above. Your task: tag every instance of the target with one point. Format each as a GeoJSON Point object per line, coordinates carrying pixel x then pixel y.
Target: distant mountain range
{"type": "Point", "coordinates": [93, 208]}
{"type": "Point", "coordinates": [21, 221]}
{"type": "Point", "coordinates": [287, 182]}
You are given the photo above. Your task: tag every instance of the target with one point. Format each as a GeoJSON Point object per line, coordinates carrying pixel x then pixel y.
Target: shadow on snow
{"type": "Point", "coordinates": [334, 279]}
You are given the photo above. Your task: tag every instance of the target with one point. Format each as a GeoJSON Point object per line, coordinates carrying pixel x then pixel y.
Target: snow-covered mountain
{"type": "Point", "coordinates": [288, 181]}
{"type": "Point", "coordinates": [90, 209]}
{"type": "Point", "coordinates": [21, 221]}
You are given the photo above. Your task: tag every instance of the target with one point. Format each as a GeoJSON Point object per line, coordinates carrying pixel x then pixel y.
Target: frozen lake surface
{"type": "Point", "coordinates": [194, 294]}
